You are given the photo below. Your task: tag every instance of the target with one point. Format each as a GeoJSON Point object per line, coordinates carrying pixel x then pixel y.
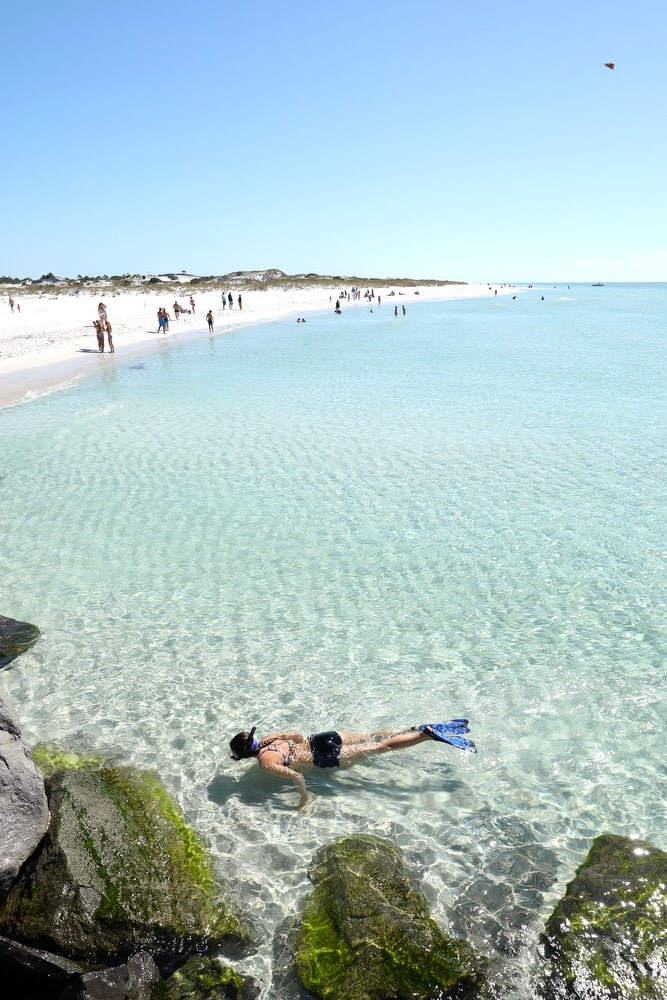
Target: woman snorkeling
{"type": "Point", "coordinates": [286, 754]}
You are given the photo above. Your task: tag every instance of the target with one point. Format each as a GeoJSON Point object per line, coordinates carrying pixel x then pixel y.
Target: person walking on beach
{"type": "Point", "coordinates": [11, 303]}
{"type": "Point", "coordinates": [286, 755]}
{"type": "Point", "coordinates": [209, 320]}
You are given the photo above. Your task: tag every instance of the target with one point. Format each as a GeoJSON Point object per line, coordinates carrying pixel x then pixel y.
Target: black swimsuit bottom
{"type": "Point", "coordinates": [325, 748]}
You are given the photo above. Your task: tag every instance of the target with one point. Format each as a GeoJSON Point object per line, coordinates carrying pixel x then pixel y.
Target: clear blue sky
{"type": "Point", "coordinates": [474, 141]}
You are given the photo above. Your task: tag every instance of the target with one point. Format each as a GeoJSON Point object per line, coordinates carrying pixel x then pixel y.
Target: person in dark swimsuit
{"type": "Point", "coordinates": [285, 755]}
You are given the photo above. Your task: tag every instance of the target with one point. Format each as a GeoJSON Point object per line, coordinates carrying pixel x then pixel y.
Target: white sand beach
{"type": "Point", "coordinates": [48, 340]}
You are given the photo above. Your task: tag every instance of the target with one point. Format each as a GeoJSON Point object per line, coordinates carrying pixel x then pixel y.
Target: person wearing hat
{"type": "Point", "coordinates": [285, 755]}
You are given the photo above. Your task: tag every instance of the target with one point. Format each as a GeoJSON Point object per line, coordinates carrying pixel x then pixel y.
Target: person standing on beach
{"type": "Point", "coordinates": [108, 328]}
{"type": "Point", "coordinates": [230, 301]}
{"type": "Point", "coordinates": [11, 303]}
{"type": "Point", "coordinates": [209, 320]}
{"type": "Point", "coordinates": [192, 305]}
{"type": "Point", "coordinates": [240, 303]}
{"type": "Point", "coordinates": [99, 330]}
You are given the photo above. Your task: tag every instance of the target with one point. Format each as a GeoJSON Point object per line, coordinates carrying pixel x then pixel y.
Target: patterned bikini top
{"type": "Point", "coordinates": [287, 757]}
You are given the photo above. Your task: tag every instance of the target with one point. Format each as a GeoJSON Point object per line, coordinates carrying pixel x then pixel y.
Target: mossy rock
{"type": "Point", "coordinates": [367, 933]}
{"type": "Point", "coordinates": [51, 759]}
{"type": "Point", "coordinates": [15, 638]}
{"type": "Point", "coordinates": [118, 871]}
{"type": "Point", "coordinates": [607, 937]}
{"type": "Point", "coordinates": [203, 978]}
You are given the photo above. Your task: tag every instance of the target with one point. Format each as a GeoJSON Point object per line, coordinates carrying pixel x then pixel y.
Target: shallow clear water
{"type": "Point", "coordinates": [362, 521]}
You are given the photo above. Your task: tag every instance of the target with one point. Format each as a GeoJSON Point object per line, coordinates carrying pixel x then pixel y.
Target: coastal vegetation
{"type": "Point", "coordinates": [181, 283]}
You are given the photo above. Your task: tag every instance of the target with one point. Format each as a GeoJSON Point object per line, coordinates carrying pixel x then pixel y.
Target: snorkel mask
{"type": "Point", "coordinates": [244, 745]}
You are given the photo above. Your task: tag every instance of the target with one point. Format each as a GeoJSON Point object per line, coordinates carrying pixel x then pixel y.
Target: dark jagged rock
{"type": "Point", "coordinates": [138, 979]}
{"type": "Point", "coordinates": [24, 810]}
{"type": "Point", "coordinates": [119, 871]}
{"type": "Point", "coordinates": [367, 933]}
{"type": "Point", "coordinates": [607, 937]}
{"type": "Point", "coordinates": [15, 638]}
{"type": "Point", "coordinates": [32, 972]}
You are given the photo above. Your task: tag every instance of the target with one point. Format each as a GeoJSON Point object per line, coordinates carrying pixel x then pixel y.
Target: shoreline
{"type": "Point", "coordinates": [48, 341]}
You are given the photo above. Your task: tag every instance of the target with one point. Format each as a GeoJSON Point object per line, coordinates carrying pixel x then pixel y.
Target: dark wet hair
{"type": "Point", "coordinates": [243, 745]}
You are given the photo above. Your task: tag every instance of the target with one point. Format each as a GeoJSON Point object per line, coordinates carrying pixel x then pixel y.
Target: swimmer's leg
{"type": "Point", "coordinates": [369, 746]}
{"type": "Point", "coordinates": [379, 735]}
{"type": "Point", "coordinates": [349, 739]}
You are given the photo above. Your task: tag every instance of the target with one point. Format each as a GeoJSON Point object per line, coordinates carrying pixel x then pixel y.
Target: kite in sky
{"type": "Point", "coordinates": [609, 65]}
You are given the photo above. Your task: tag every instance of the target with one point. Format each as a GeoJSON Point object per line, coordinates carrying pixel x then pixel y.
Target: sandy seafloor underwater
{"type": "Point", "coordinates": [361, 521]}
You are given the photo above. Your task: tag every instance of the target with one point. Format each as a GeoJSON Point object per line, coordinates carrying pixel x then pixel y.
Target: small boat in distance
{"type": "Point", "coordinates": [598, 284]}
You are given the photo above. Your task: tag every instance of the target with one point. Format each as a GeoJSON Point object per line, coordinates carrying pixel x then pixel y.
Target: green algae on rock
{"type": "Point", "coordinates": [607, 937]}
{"type": "Point", "coordinates": [203, 978]}
{"type": "Point", "coordinates": [50, 759]}
{"type": "Point", "coordinates": [119, 870]}
{"type": "Point", "coordinates": [367, 932]}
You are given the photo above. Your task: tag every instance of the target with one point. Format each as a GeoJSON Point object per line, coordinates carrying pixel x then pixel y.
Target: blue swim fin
{"type": "Point", "coordinates": [450, 732]}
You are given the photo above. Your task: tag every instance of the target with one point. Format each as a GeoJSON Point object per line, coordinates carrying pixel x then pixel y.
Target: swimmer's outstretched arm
{"type": "Point", "coordinates": [280, 771]}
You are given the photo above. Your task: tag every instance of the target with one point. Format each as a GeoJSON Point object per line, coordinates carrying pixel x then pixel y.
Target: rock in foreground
{"type": "Point", "coordinates": [119, 871]}
{"type": "Point", "coordinates": [367, 933]}
{"type": "Point", "coordinates": [24, 811]}
{"type": "Point", "coordinates": [205, 979]}
{"type": "Point", "coordinates": [607, 937]}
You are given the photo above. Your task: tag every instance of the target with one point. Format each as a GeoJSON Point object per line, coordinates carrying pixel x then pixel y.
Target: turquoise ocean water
{"type": "Point", "coordinates": [362, 521]}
